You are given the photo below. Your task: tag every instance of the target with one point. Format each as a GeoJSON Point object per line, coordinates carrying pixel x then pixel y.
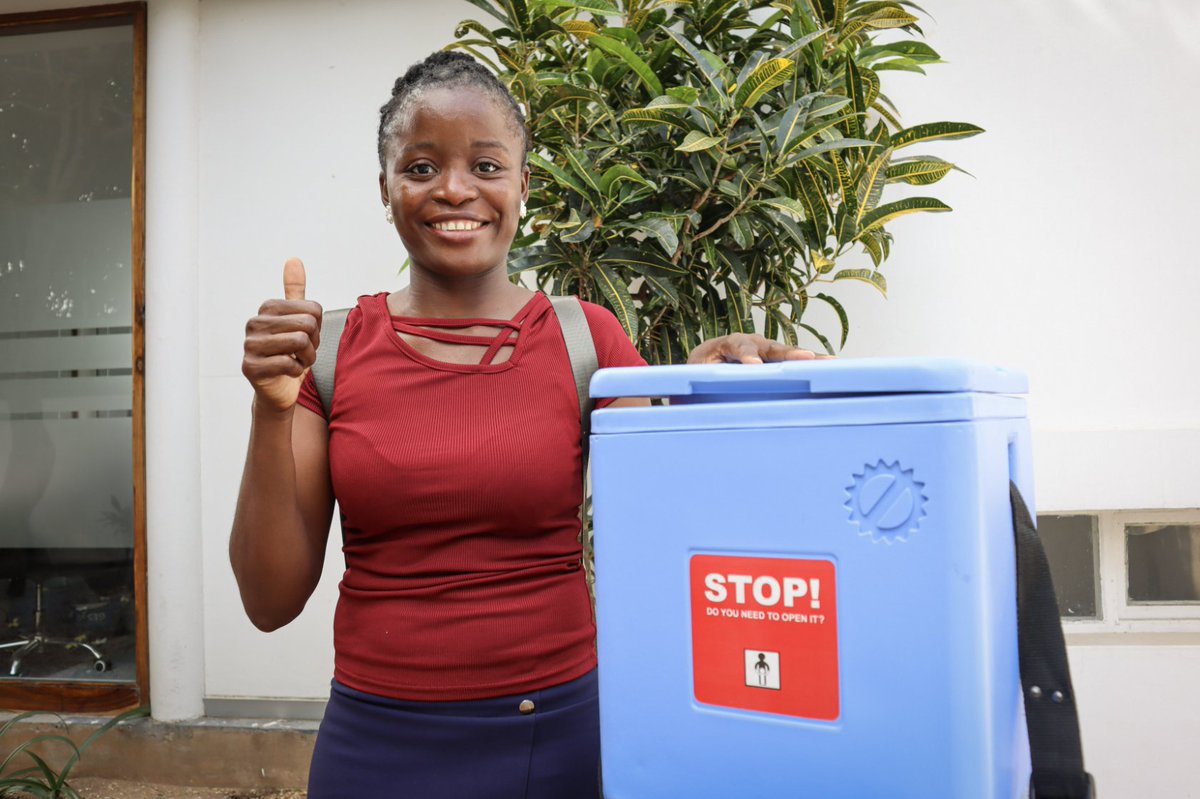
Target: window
{"type": "Point", "coordinates": [1162, 563]}
{"type": "Point", "coordinates": [1125, 570]}
{"type": "Point", "coordinates": [71, 209]}
{"type": "Point", "coordinates": [1071, 547]}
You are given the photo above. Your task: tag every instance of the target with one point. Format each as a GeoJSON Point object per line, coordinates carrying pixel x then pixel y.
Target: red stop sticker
{"type": "Point", "coordinates": [764, 635]}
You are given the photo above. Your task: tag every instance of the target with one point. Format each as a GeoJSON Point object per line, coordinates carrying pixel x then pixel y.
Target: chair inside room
{"type": "Point", "coordinates": [28, 572]}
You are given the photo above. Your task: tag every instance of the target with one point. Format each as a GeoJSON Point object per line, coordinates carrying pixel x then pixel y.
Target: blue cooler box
{"type": "Point", "coordinates": [806, 580]}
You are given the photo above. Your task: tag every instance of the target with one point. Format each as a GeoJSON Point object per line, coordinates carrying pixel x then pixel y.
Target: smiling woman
{"type": "Point", "coordinates": [464, 638]}
{"type": "Point", "coordinates": [455, 198]}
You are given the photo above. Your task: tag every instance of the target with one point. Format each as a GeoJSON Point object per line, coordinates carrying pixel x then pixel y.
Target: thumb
{"type": "Point", "coordinates": [293, 279]}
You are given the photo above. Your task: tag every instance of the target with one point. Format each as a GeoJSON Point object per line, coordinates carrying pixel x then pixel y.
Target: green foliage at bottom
{"type": "Point", "coordinates": [25, 770]}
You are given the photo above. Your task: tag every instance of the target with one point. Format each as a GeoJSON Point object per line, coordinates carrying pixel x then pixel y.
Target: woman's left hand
{"type": "Point", "coordinates": [748, 348]}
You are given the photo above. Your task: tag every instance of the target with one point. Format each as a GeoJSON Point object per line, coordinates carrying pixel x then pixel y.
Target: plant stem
{"type": "Point", "coordinates": [740, 207]}
{"type": "Point", "coordinates": [697, 205]}
{"type": "Point", "coordinates": [647, 333]}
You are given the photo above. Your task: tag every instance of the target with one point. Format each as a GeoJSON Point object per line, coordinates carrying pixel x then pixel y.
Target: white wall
{"type": "Point", "coordinates": [1138, 715]}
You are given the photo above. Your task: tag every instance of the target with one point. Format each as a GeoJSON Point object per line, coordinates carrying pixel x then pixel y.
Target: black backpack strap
{"type": "Point", "coordinates": [1051, 714]}
{"type": "Point", "coordinates": [323, 369]}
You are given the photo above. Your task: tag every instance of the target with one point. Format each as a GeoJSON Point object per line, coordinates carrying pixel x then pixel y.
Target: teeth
{"type": "Point", "coordinates": [458, 224]}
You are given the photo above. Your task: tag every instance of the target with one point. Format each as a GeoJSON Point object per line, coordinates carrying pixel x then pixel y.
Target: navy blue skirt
{"type": "Point", "coordinates": [537, 745]}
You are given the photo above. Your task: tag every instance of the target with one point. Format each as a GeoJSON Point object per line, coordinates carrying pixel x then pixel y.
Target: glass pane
{"type": "Point", "coordinates": [66, 385]}
{"type": "Point", "coordinates": [1070, 544]}
{"type": "Point", "coordinates": [1163, 562]}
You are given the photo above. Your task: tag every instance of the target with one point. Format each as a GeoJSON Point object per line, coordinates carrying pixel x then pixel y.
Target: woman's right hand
{"type": "Point", "coordinates": [281, 343]}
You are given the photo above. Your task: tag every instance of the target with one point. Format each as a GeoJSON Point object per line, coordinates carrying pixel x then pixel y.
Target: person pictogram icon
{"type": "Point", "coordinates": [762, 669]}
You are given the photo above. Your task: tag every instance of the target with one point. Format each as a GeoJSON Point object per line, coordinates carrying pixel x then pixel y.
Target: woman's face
{"type": "Point", "coordinates": [455, 179]}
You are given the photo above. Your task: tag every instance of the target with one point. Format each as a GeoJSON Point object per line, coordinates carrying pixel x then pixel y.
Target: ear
{"type": "Point", "coordinates": [525, 183]}
{"type": "Point", "coordinates": [383, 189]}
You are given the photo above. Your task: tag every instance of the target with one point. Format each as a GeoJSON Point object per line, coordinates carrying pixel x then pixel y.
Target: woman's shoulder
{"type": "Point", "coordinates": [365, 307]}
{"type": "Point", "coordinates": [368, 302]}
{"type": "Point", "coordinates": [368, 311]}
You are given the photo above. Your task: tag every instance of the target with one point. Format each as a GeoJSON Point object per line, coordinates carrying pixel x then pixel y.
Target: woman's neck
{"type": "Point", "coordinates": [432, 296]}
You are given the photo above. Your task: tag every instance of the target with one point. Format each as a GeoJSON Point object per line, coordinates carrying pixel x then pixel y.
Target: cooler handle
{"type": "Point", "coordinates": [1051, 715]}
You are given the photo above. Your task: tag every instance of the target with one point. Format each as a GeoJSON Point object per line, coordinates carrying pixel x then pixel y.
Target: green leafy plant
{"type": "Point", "coordinates": [25, 770]}
{"type": "Point", "coordinates": [695, 160]}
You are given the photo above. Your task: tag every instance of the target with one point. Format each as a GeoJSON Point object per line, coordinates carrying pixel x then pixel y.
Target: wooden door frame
{"type": "Point", "coordinates": [95, 696]}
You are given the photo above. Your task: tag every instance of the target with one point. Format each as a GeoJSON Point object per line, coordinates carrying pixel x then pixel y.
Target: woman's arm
{"type": "Point", "coordinates": [280, 528]}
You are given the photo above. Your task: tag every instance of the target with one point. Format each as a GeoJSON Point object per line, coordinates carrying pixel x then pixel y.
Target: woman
{"type": "Point", "coordinates": [465, 663]}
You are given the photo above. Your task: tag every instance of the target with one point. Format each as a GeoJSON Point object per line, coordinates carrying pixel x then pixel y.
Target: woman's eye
{"type": "Point", "coordinates": [420, 169]}
{"type": "Point", "coordinates": [488, 166]}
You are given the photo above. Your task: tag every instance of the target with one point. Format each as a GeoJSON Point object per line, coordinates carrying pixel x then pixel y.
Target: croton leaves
{"type": "Point", "coordinates": [700, 166]}
{"type": "Point", "coordinates": [696, 142]}
{"type": "Point", "coordinates": [886, 213]}
{"type": "Point", "coordinates": [919, 171]}
{"type": "Point", "coordinates": [934, 130]}
{"type": "Point", "coordinates": [765, 77]}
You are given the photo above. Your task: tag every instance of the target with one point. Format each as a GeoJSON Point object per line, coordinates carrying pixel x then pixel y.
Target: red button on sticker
{"type": "Point", "coordinates": [764, 635]}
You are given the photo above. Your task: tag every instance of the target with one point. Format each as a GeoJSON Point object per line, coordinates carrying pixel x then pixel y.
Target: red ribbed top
{"type": "Point", "coordinates": [459, 488]}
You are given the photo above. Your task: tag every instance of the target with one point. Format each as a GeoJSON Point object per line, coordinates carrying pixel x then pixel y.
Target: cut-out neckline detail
{"type": "Point", "coordinates": [438, 329]}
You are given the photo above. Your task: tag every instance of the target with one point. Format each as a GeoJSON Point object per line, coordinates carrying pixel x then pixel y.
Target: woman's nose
{"type": "Point", "coordinates": [456, 187]}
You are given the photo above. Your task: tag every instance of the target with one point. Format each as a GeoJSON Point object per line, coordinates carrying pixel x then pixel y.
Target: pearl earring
{"type": "Point", "coordinates": [522, 208]}
{"type": "Point", "coordinates": [388, 215]}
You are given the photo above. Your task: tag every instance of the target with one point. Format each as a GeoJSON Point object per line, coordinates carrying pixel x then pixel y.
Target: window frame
{"type": "Point", "coordinates": [1150, 610]}
{"type": "Point", "coordinates": [1117, 614]}
{"type": "Point", "coordinates": [96, 696]}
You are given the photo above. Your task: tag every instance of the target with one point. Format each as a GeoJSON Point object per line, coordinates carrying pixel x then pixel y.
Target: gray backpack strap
{"type": "Point", "coordinates": [581, 349]}
{"type": "Point", "coordinates": [582, 352]}
{"type": "Point", "coordinates": [332, 324]}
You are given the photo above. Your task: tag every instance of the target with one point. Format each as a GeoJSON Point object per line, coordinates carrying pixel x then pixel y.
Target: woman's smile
{"type": "Point", "coordinates": [457, 228]}
{"type": "Point", "coordinates": [457, 225]}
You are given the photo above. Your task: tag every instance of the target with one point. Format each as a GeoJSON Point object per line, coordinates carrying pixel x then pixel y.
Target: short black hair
{"type": "Point", "coordinates": [445, 69]}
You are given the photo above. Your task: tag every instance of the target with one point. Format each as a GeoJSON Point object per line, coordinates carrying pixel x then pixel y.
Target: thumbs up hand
{"type": "Point", "coordinates": [281, 342]}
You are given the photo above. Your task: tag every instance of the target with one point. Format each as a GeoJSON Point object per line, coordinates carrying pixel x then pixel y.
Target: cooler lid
{"type": "Point", "coordinates": [796, 379]}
